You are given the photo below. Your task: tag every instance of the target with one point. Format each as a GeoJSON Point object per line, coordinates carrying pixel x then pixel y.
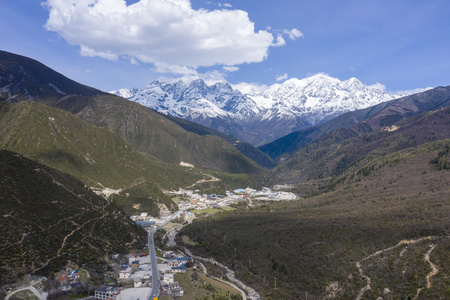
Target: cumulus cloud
{"type": "Point", "coordinates": [230, 68]}
{"type": "Point", "coordinates": [293, 33]}
{"type": "Point", "coordinates": [250, 88]}
{"type": "Point", "coordinates": [282, 77]}
{"type": "Point", "coordinates": [225, 5]}
{"type": "Point", "coordinates": [168, 33]}
{"type": "Point", "coordinates": [210, 77]}
{"type": "Point", "coordinates": [279, 42]}
{"type": "Point", "coordinates": [378, 86]}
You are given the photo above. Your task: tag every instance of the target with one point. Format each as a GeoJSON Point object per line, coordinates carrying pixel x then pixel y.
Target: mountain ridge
{"type": "Point", "coordinates": [24, 79]}
{"type": "Point", "coordinates": [362, 121]}
{"type": "Point", "coordinates": [248, 114]}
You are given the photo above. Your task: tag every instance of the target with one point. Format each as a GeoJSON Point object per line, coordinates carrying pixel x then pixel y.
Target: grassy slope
{"type": "Point", "coordinates": [49, 217]}
{"type": "Point", "coordinates": [152, 133]}
{"type": "Point", "coordinates": [308, 245]}
{"type": "Point", "coordinates": [245, 148]}
{"type": "Point", "coordinates": [94, 155]}
{"type": "Point", "coordinates": [146, 130]}
{"type": "Point", "coordinates": [102, 159]}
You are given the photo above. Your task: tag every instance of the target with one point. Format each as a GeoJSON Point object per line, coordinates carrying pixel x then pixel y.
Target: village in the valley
{"type": "Point", "coordinates": [190, 203]}
{"type": "Point", "coordinates": [130, 277]}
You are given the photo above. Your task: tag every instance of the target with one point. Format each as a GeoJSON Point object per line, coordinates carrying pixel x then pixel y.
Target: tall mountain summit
{"type": "Point", "coordinates": [248, 113]}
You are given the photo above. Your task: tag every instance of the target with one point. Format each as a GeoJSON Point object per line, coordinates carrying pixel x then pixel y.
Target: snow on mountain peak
{"type": "Point", "coordinates": [307, 102]}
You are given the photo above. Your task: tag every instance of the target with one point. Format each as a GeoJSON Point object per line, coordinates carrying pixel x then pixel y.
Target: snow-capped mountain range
{"type": "Point", "coordinates": [256, 115]}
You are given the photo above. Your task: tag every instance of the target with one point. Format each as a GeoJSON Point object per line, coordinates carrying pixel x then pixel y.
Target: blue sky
{"type": "Point", "coordinates": [110, 44]}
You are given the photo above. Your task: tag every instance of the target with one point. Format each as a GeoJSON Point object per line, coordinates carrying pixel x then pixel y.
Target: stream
{"type": "Point", "coordinates": [251, 293]}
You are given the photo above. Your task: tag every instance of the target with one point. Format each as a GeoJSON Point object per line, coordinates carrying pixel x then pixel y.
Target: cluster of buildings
{"type": "Point", "coordinates": [107, 293]}
{"type": "Point", "coordinates": [144, 220]}
{"type": "Point", "coordinates": [67, 282]}
{"type": "Point", "coordinates": [197, 201]}
{"type": "Point", "coordinates": [139, 271]}
{"type": "Point", "coordinates": [139, 268]}
{"type": "Point", "coordinates": [193, 200]}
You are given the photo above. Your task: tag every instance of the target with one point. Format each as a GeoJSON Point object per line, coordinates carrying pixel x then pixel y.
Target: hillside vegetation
{"type": "Point", "coordinates": [362, 121]}
{"type": "Point", "coordinates": [147, 131]}
{"type": "Point", "coordinates": [373, 221]}
{"type": "Point", "coordinates": [94, 155]}
{"type": "Point", "coordinates": [335, 152]}
{"type": "Point", "coordinates": [374, 227]}
{"type": "Point", "coordinates": [50, 218]}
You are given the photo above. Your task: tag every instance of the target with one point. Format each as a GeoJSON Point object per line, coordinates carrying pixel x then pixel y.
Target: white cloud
{"type": "Point", "coordinates": [282, 77]}
{"type": "Point", "coordinates": [167, 33]}
{"type": "Point", "coordinates": [378, 86]}
{"type": "Point", "coordinates": [250, 88]}
{"type": "Point", "coordinates": [293, 33]}
{"type": "Point", "coordinates": [279, 42]}
{"type": "Point", "coordinates": [209, 78]}
{"type": "Point", "coordinates": [230, 68]}
{"type": "Point", "coordinates": [411, 92]}
{"type": "Point", "coordinates": [225, 5]}
{"type": "Point", "coordinates": [175, 69]}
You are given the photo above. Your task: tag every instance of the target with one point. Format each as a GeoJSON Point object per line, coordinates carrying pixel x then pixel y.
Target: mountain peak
{"type": "Point", "coordinates": [290, 106]}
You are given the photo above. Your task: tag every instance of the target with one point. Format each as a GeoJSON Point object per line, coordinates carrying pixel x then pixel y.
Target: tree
{"type": "Point", "coordinates": [51, 286]}
{"type": "Point", "coordinates": [194, 276]}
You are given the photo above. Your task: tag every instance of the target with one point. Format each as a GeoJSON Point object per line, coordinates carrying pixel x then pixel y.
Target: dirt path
{"type": "Point", "coordinates": [211, 179]}
{"type": "Point", "coordinates": [367, 287]}
{"type": "Point", "coordinates": [401, 243]}
{"type": "Point", "coordinates": [236, 283]}
{"type": "Point", "coordinates": [434, 269]}
{"type": "Point", "coordinates": [101, 210]}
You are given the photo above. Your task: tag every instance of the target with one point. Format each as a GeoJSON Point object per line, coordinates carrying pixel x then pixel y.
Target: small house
{"type": "Point", "coordinates": [168, 278]}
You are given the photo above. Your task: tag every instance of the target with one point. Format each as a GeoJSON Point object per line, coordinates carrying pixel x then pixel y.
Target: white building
{"type": "Point", "coordinates": [106, 292]}
{"type": "Point", "coordinates": [137, 282]}
{"type": "Point", "coordinates": [168, 278]}
{"type": "Point", "coordinates": [125, 273]}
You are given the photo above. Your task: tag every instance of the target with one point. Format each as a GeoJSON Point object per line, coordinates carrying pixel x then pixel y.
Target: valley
{"type": "Point", "coordinates": [363, 212]}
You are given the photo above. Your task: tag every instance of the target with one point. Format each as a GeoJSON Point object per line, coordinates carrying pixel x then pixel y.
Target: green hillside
{"type": "Point", "coordinates": [247, 149]}
{"type": "Point", "coordinates": [376, 226]}
{"type": "Point", "coordinates": [94, 155]}
{"type": "Point", "coordinates": [332, 154]}
{"type": "Point", "coordinates": [147, 131]}
{"type": "Point", "coordinates": [152, 133]}
{"type": "Point", "coordinates": [373, 221]}
{"type": "Point", "coordinates": [49, 218]}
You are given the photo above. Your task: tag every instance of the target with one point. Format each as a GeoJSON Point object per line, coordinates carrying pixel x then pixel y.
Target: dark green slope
{"type": "Point", "coordinates": [147, 131]}
{"type": "Point", "coordinates": [49, 218]}
{"type": "Point", "coordinates": [312, 245]}
{"type": "Point", "coordinates": [364, 120]}
{"type": "Point", "coordinates": [96, 156]}
{"type": "Point", "coordinates": [245, 148]}
{"type": "Point", "coordinates": [28, 79]}
{"type": "Point", "coordinates": [335, 152]}
{"type": "Point", "coordinates": [152, 133]}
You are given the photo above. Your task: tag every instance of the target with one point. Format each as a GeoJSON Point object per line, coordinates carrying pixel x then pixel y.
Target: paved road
{"type": "Point", "coordinates": [155, 275]}
{"type": "Point", "coordinates": [32, 289]}
{"type": "Point", "coordinates": [152, 252]}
